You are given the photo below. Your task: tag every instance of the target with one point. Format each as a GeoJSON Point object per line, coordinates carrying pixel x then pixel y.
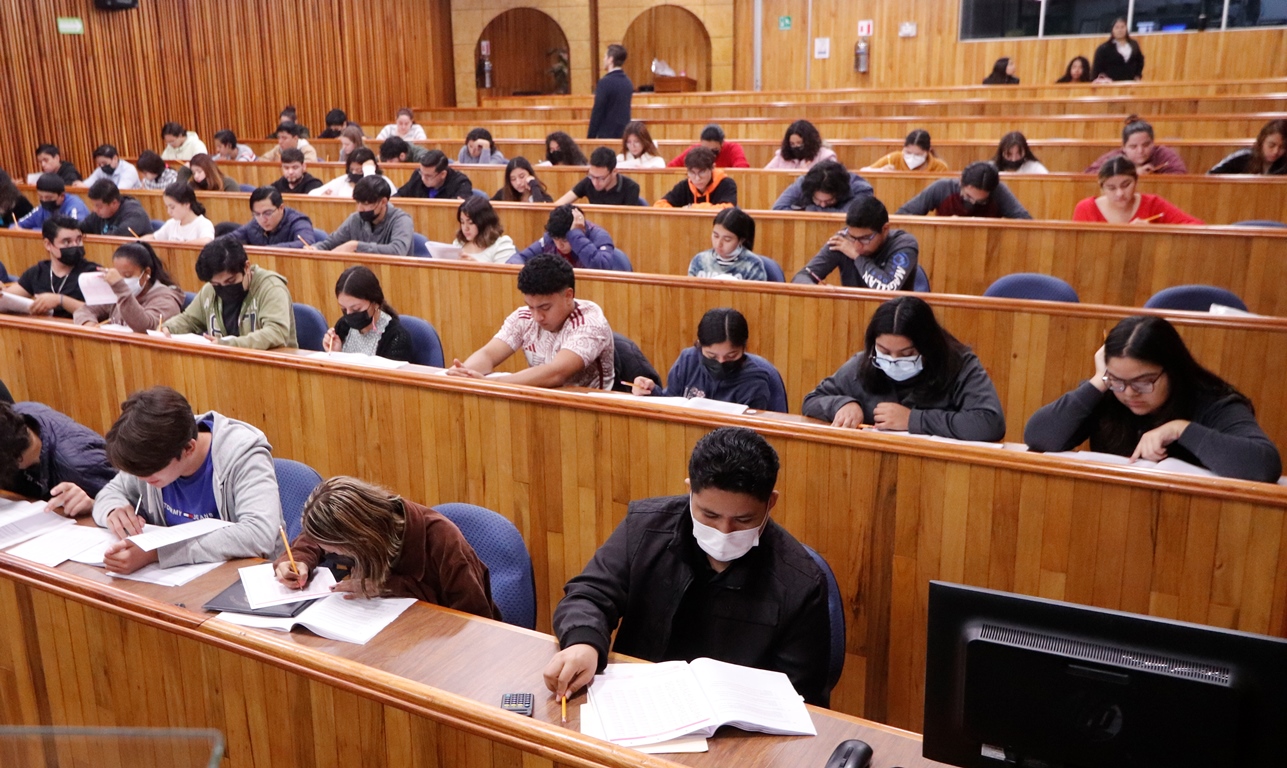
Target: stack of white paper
{"type": "Point", "coordinates": [62, 544]}
{"type": "Point", "coordinates": [335, 617]}
{"type": "Point", "coordinates": [354, 358]}
{"type": "Point", "coordinates": [153, 573]}
{"type": "Point", "coordinates": [593, 727]}
{"type": "Point", "coordinates": [22, 520]}
{"type": "Point", "coordinates": [263, 589]}
{"type": "Point", "coordinates": [1166, 465]}
{"type": "Point", "coordinates": [696, 403]}
{"type": "Point", "coordinates": [653, 703]}
{"type": "Point", "coordinates": [190, 338]}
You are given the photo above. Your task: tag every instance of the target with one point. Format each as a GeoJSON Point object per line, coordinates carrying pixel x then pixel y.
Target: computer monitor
{"type": "Point", "coordinates": [1022, 681]}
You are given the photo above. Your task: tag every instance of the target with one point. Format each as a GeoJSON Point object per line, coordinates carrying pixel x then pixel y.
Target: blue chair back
{"type": "Point", "coordinates": [4, 274]}
{"type": "Point", "coordinates": [482, 194]}
{"type": "Point", "coordinates": [310, 327]}
{"type": "Point", "coordinates": [156, 224]}
{"type": "Point", "coordinates": [777, 389]}
{"type": "Point", "coordinates": [500, 546]}
{"type": "Point", "coordinates": [295, 481]}
{"type": "Point", "coordinates": [1196, 298]}
{"type": "Point", "coordinates": [320, 234]}
{"type": "Point", "coordinates": [772, 269]}
{"type": "Point", "coordinates": [246, 187]}
{"type": "Point", "coordinates": [426, 346]}
{"type": "Point", "coordinates": [643, 202]}
{"type": "Point", "coordinates": [920, 283]}
{"type": "Point", "coordinates": [1260, 223]}
{"type": "Point", "coordinates": [836, 610]}
{"type": "Point", "coordinates": [419, 245]}
{"type": "Point", "coordinates": [188, 298]}
{"type": "Point", "coordinates": [621, 262]}
{"type": "Point", "coordinates": [1031, 285]}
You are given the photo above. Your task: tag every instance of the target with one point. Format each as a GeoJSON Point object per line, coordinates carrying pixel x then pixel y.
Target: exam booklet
{"type": "Point", "coordinates": [335, 617]}
{"type": "Point", "coordinates": [640, 704]}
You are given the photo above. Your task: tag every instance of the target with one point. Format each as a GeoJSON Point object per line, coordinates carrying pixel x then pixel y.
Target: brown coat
{"type": "Point", "coordinates": [143, 313]}
{"type": "Point", "coordinates": [437, 565]}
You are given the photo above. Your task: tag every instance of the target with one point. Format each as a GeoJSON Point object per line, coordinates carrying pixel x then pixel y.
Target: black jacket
{"type": "Point", "coordinates": [307, 183]}
{"type": "Point", "coordinates": [1109, 62]}
{"type": "Point", "coordinates": [394, 344]}
{"type": "Point", "coordinates": [768, 609]}
{"type": "Point", "coordinates": [68, 173]}
{"type": "Point", "coordinates": [131, 215]}
{"type": "Point", "coordinates": [456, 185]}
{"type": "Point", "coordinates": [611, 106]}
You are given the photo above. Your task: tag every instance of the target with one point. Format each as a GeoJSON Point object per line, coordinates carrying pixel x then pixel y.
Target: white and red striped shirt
{"type": "Point", "coordinates": [586, 332]}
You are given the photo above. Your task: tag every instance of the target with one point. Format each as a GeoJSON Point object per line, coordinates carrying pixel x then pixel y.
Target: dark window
{"type": "Point", "coordinates": [999, 18]}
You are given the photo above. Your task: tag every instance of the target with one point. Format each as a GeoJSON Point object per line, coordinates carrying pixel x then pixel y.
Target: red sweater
{"type": "Point", "coordinates": [730, 156]}
{"type": "Point", "coordinates": [1150, 206]}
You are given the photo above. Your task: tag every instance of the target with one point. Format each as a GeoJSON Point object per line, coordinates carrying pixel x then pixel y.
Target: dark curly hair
{"type": "Point", "coordinates": [15, 439]}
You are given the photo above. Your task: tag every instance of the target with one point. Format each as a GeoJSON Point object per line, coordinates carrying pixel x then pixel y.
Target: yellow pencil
{"type": "Point", "coordinates": [1154, 217]}
{"type": "Point", "coordinates": [565, 707]}
{"type": "Point", "coordinates": [289, 554]}
{"type": "Point", "coordinates": [132, 232]}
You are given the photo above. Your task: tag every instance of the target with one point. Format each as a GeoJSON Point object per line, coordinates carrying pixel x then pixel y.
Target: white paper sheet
{"type": "Point", "coordinates": [660, 703]}
{"type": "Point", "coordinates": [162, 536]}
{"type": "Point", "coordinates": [335, 617]}
{"type": "Point", "coordinates": [1165, 465]}
{"type": "Point", "coordinates": [753, 699]}
{"type": "Point", "coordinates": [354, 358]}
{"type": "Point", "coordinates": [59, 545]}
{"type": "Point", "coordinates": [115, 328]}
{"type": "Point", "coordinates": [696, 403]}
{"type": "Point", "coordinates": [28, 521]}
{"type": "Point", "coordinates": [152, 573]}
{"type": "Point", "coordinates": [13, 304]}
{"type": "Point", "coordinates": [593, 727]}
{"type": "Point", "coordinates": [263, 589]}
{"type": "Point", "coordinates": [95, 288]}
{"type": "Point", "coordinates": [443, 250]}
{"type": "Point", "coordinates": [187, 338]}
{"type": "Point", "coordinates": [104, 538]}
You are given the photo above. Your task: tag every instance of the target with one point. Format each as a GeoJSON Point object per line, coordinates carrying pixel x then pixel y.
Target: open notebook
{"type": "Point", "coordinates": [652, 703]}
{"type": "Point", "coordinates": [335, 617]}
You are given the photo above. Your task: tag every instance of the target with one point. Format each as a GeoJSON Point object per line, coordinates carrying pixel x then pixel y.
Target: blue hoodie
{"type": "Point", "coordinates": [793, 198]}
{"type": "Point", "coordinates": [756, 385]}
{"type": "Point", "coordinates": [591, 249]}
{"type": "Point", "coordinates": [72, 207]}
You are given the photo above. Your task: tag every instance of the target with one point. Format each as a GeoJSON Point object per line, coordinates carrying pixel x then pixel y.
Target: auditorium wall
{"type": "Point", "coordinates": [210, 64]}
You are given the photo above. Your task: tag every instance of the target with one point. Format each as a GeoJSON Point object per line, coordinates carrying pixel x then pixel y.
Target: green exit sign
{"type": "Point", "coordinates": [70, 25]}
{"type": "Point", "coordinates": [784, 23]}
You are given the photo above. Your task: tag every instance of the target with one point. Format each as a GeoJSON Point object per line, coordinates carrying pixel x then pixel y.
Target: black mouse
{"type": "Point", "coordinates": [850, 754]}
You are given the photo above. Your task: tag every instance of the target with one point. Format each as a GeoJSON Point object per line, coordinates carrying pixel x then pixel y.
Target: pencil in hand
{"type": "Point", "coordinates": [565, 708]}
{"type": "Point", "coordinates": [289, 555]}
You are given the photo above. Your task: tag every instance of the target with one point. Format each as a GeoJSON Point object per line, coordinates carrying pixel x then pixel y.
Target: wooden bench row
{"type": "Point", "coordinates": [1035, 351]}
{"type": "Point", "coordinates": [888, 513]}
{"type": "Point", "coordinates": [1122, 266]}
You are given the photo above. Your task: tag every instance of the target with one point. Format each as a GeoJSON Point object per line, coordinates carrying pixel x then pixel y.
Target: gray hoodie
{"type": "Point", "coordinates": [245, 491]}
{"type": "Point", "coordinates": [392, 236]}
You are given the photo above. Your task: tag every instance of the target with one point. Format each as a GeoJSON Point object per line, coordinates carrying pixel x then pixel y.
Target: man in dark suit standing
{"type": "Point", "coordinates": [611, 97]}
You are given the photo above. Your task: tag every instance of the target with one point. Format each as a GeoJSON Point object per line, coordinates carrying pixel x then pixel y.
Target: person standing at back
{"type": "Point", "coordinates": [1119, 57]}
{"type": "Point", "coordinates": [611, 97]}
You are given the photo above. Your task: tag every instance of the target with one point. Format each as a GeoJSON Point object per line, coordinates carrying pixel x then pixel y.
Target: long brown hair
{"type": "Point", "coordinates": [1256, 163]}
{"type": "Point", "coordinates": [214, 177]}
{"type": "Point", "coordinates": [366, 521]}
{"type": "Point", "coordinates": [639, 130]}
{"type": "Point", "coordinates": [480, 211]}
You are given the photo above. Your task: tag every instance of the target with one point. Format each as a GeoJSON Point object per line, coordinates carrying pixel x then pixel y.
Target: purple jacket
{"type": "Point", "coordinates": [591, 249]}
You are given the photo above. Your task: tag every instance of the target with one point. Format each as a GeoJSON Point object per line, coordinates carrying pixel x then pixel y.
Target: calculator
{"type": "Point", "coordinates": [518, 703]}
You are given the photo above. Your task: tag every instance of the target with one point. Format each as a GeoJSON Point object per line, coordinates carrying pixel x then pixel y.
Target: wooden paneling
{"type": "Point", "coordinates": [521, 41]}
{"type": "Point", "coordinates": [563, 467]}
{"type": "Point", "coordinates": [1035, 351]}
{"type": "Point", "coordinates": [674, 35]}
{"type": "Point", "coordinates": [209, 65]}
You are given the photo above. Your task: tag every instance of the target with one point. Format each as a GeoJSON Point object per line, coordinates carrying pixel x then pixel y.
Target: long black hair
{"type": "Point", "coordinates": [941, 354]}
{"type": "Point", "coordinates": [807, 132]}
{"type": "Point", "coordinates": [568, 153]}
{"type": "Point", "coordinates": [1085, 71]}
{"type": "Point", "coordinates": [361, 283]}
{"type": "Point", "coordinates": [1154, 340]}
{"type": "Point", "coordinates": [1013, 139]}
{"type": "Point", "coordinates": [144, 257]}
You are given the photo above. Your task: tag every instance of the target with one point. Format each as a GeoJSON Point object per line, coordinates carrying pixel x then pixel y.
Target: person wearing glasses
{"type": "Point", "coordinates": [705, 187]}
{"type": "Point", "coordinates": [602, 184]}
{"type": "Point", "coordinates": [867, 252]}
{"type": "Point", "coordinates": [1149, 399]}
{"type": "Point", "coordinates": [911, 376]}
{"type": "Point", "coordinates": [275, 224]}
{"type": "Point", "coordinates": [979, 192]}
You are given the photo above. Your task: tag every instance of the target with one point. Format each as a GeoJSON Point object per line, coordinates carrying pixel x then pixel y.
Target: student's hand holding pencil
{"type": "Point", "coordinates": [287, 576]}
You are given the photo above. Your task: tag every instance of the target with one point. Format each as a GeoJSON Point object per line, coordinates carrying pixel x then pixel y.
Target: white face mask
{"type": "Point", "coordinates": [898, 368]}
{"type": "Point", "coordinates": [725, 547]}
{"type": "Point", "coordinates": [913, 161]}
{"type": "Point", "coordinates": [135, 284]}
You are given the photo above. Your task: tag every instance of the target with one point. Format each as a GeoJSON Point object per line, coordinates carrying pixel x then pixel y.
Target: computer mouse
{"type": "Point", "coordinates": [850, 754]}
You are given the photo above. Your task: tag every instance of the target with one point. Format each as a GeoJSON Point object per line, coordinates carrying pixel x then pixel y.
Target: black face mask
{"type": "Point", "coordinates": [107, 169]}
{"type": "Point", "coordinates": [367, 216]}
{"type": "Point", "coordinates": [50, 205]}
{"type": "Point", "coordinates": [71, 256]}
{"type": "Point", "coordinates": [233, 293]}
{"type": "Point", "coordinates": [1010, 165]}
{"type": "Point", "coordinates": [357, 320]}
{"type": "Point", "coordinates": [555, 157]}
{"type": "Point", "coordinates": [355, 178]}
{"type": "Point", "coordinates": [720, 371]}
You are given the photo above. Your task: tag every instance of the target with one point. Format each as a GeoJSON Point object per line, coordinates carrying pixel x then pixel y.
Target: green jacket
{"type": "Point", "coordinates": [267, 316]}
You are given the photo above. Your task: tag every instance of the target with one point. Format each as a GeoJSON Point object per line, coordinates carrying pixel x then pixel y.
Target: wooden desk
{"type": "Point", "coordinates": [1035, 351]}
{"type": "Point", "coordinates": [889, 513]}
{"type": "Point", "coordinates": [425, 691]}
{"type": "Point", "coordinates": [664, 84]}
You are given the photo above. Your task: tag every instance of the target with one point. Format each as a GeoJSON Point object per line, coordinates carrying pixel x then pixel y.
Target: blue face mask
{"type": "Point", "coordinates": [898, 368]}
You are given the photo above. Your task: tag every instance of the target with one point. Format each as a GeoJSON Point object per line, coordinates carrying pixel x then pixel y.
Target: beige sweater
{"type": "Point", "coordinates": [142, 313]}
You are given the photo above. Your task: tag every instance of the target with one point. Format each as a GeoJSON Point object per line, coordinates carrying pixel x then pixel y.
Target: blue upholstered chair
{"type": "Point", "coordinates": [419, 245]}
{"type": "Point", "coordinates": [426, 346]}
{"type": "Point", "coordinates": [310, 326]}
{"type": "Point", "coordinates": [921, 283]}
{"type": "Point", "coordinates": [621, 262]}
{"type": "Point", "coordinates": [836, 610]}
{"type": "Point", "coordinates": [295, 481]}
{"type": "Point", "coordinates": [772, 269]}
{"type": "Point", "coordinates": [1196, 298]}
{"type": "Point", "coordinates": [500, 546]}
{"type": "Point", "coordinates": [1031, 285]}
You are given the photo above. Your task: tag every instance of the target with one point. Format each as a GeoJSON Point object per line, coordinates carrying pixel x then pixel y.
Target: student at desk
{"type": "Point", "coordinates": [368, 325]}
{"type": "Point", "coordinates": [567, 341]}
{"type": "Point", "coordinates": [240, 305]}
{"type": "Point", "coordinates": [46, 455]}
{"type": "Point", "coordinates": [867, 252]}
{"type": "Point", "coordinates": [54, 283]}
{"type": "Point", "coordinates": [718, 367]}
{"type": "Point", "coordinates": [399, 548]}
{"type": "Point", "coordinates": [1163, 404]}
{"type": "Point", "coordinates": [146, 295]}
{"type": "Point", "coordinates": [702, 575]}
{"type": "Point", "coordinates": [913, 376]}
{"type": "Point", "coordinates": [176, 468]}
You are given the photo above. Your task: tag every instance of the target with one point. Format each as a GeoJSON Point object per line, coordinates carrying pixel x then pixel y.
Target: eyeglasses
{"type": "Point", "coordinates": [1141, 385]}
{"type": "Point", "coordinates": [599, 179]}
{"type": "Point", "coordinates": [864, 240]}
{"type": "Point", "coordinates": [264, 214]}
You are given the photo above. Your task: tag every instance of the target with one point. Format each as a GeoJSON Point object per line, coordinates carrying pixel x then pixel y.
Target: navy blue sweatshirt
{"type": "Point", "coordinates": [757, 385]}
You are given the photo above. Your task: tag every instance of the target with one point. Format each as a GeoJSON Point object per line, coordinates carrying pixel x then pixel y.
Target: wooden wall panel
{"type": "Point", "coordinates": [674, 35]}
{"type": "Point", "coordinates": [554, 463]}
{"type": "Point", "coordinates": [520, 39]}
{"type": "Point", "coordinates": [210, 65]}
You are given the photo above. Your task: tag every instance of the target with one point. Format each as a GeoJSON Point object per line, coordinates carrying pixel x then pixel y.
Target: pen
{"type": "Point", "coordinates": [289, 555]}
{"type": "Point", "coordinates": [132, 232]}
{"type": "Point", "coordinates": [302, 240]}
{"type": "Point", "coordinates": [817, 280]}
{"type": "Point", "coordinates": [565, 707]}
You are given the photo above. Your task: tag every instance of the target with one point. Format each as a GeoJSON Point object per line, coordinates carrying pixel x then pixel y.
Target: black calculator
{"type": "Point", "coordinates": [518, 703]}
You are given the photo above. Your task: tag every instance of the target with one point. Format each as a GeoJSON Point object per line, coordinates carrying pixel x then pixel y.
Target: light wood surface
{"type": "Point", "coordinates": [670, 33]}
{"type": "Point", "coordinates": [889, 513]}
{"type": "Point", "coordinates": [1034, 351]}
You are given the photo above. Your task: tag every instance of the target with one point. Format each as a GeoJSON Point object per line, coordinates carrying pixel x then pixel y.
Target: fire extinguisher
{"type": "Point", "coordinates": [862, 55]}
{"type": "Point", "coordinates": [487, 72]}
